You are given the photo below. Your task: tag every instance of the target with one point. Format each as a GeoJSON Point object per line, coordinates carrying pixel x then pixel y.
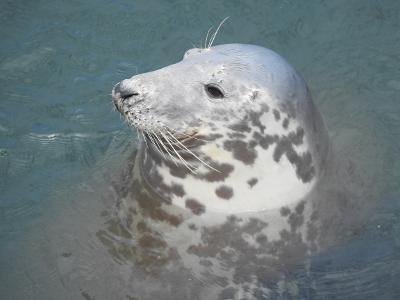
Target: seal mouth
{"type": "Point", "coordinates": [164, 138]}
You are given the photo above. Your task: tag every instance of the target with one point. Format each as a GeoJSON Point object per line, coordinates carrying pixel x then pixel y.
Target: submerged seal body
{"type": "Point", "coordinates": [232, 150]}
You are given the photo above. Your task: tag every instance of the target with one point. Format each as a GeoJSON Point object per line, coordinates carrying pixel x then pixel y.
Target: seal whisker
{"type": "Point", "coordinates": [216, 32]}
{"type": "Point", "coordinates": [157, 140]}
{"type": "Point", "coordinates": [166, 149]}
{"type": "Point", "coordinates": [205, 42]}
{"type": "Point", "coordinates": [190, 152]}
{"type": "Point", "coordinates": [180, 157]}
{"type": "Point", "coordinates": [155, 143]}
{"type": "Point", "coordinates": [137, 132]}
{"type": "Point", "coordinates": [144, 138]}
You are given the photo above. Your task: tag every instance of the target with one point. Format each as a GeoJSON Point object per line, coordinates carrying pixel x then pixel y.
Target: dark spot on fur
{"type": "Point", "coordinates": [285, 211]}
{"type": "Point", "coordinates": [295, 220]}
{"type": "Point", "coordinates": [228, 293]}
{"type": "Point", "coordinates": [285, 123]}
{"type": "Point", "coordinates": [66, 254]}
{"type": "Point", "coordinates": [241, 151]}
{"type": "Point", "coordinates": [303, 163]}
{"type": "Point", "coordinates": [283, 146]}
{"type": "Point", "coordinates": [253, 144]}
{"type": "Point", "coordinates": [224, 192]}
{"type": "Point", "coordinates": [213, 137]}
{"type": "Point", "coordinates": [265, 140]}
{"type": "Point", "coordinates": [233, 219]}
{"type": "Point", "coordinates": [86, 295]}
{"type": "Point", "coordinates": [192, 226]}
{"type": "Point", "coordinates": [178, 190]}
{"type": "Point", "coordinates": [255, 120]}
{"type": "Point", "coordinates": [292, 247]}
{"type": "Point", "coordinates": [152, 207]}
{"type": "Point", "coordinates": [157, 182]}
{"type": "Point", "coordinates": [196, 207]}
{"type": "Point", "coordinates": [236, 135]}
{"type": "Point", "coordinates": [304, 167]}
{"type": "Point", "coordinates": [213, 176]}
{"type": "Point", "coordinates": [277, 115]}
{"type": "Point", "coordinates": [142, 227]}
{"type": "Point", "coordinates": [241, 127]}
{"type": "Point", "coordinates": [261, 239]}
{"type": "Point", "coordinates": [205, 263]}
{"type": "Point", "coordinates": [177, 171]}
{"type": "Point", "coordinates": [150, 241]}
{"type": "Point", "coordinates": [252, 182]}
{"type": "Point", "coordinates": [300, 207]}
{"type": "Point", "coordinates": [285, 234]}
{"type": "Point", "coordinates": [297, 137]}
{"type": "Point", "coordinates": [253, 95]}
{"type": "Point", "coordinates": [254, 225]}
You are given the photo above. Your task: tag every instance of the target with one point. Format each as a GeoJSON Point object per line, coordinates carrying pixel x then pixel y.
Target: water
{"type": "Point", "coordinates": [61, 144]}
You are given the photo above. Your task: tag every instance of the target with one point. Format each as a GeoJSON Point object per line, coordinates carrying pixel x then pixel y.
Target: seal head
{"type": "Point", "coordinates": [230, 129]}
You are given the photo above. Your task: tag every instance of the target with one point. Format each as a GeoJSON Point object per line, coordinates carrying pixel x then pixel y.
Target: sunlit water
{"type": "Point", "coordinates": [62, 145]}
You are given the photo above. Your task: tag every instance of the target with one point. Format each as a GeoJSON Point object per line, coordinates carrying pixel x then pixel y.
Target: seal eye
{"type": "Point", "coordinates": [214, 91]}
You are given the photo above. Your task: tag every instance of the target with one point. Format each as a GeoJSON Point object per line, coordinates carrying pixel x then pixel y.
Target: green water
{"type": "Point", "coordinates": [58, 132]}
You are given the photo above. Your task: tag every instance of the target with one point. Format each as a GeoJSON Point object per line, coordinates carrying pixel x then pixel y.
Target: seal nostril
{"type": "Point", "coordinates": [124, 92]}
{"type": "Point", "coordinates": [125, 96]}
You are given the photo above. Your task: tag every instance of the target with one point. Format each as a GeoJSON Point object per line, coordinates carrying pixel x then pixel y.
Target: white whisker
{"type": "Point", "coordinates": [194, 155]}
{"type": "Point", "coordinates": [155, 143]}
{"type": "Point", "coordinates": [137, 132]}
{"type": "Point", "coordinates": [145, 139]}
{"type": "Point", "coordinates": [166, 149]}
{"type": "Point", "coordinates": [205, 42]}
{"type": "Point", "coordinates": [180, 157]}
{"type": "Point", "coordinates": [215, 33]}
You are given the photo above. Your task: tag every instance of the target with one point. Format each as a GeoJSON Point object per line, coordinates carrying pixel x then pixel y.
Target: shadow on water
{"type": "Point", "coordinates": [65, 161]}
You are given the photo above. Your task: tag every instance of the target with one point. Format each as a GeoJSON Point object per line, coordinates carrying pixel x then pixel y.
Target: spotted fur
{"type": "Point", "coordinates": [240, 217]}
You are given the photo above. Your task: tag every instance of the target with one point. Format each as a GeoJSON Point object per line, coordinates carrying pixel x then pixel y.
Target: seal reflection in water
{"type": "Point", "coordinates": [232, 149]}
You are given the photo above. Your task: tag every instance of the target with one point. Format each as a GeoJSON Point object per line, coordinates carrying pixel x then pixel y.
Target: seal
{"type": "Point", "coordinates": [231, 151]}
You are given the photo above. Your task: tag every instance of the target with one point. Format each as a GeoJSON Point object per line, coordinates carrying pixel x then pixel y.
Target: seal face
{"type": "Point", "coordinates": [229, 129]}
